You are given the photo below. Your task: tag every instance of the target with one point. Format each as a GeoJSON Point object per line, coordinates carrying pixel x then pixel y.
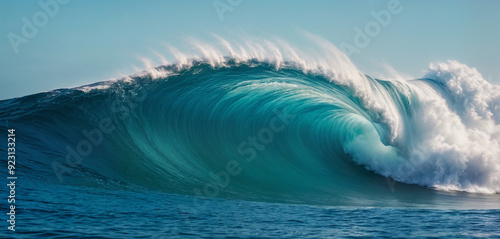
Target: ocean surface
{"type": "Point", "coordinates": [55, 211]}
{"type": "Point", "coordinates": [258, 147]}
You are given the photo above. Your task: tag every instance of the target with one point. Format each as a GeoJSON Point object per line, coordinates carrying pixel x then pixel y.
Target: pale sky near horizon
{"type": "Point", "coordinates": [84, 42]}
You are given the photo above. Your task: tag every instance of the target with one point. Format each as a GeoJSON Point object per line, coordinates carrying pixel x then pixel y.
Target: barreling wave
{"type": "Point", "coordinates": [266, 119]}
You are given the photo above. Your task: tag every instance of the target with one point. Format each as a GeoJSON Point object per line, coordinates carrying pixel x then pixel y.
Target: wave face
{"type": "Point", "coordinates": [266, 129]}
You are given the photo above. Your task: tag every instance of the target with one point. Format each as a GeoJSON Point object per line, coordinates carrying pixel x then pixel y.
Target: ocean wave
{"type": "Point", "coordinates": [263, 118]}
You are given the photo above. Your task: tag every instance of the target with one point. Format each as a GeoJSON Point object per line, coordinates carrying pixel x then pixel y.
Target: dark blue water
{"type": "Point", "coordinates": [58, 211]}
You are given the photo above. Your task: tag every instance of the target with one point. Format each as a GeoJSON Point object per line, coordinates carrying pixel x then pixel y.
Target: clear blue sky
{"type": "Point", "coordinates": [90, 41]}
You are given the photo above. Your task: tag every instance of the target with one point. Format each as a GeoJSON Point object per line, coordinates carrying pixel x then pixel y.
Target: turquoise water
{"type": "Point", "coordinates": [250, 149]}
